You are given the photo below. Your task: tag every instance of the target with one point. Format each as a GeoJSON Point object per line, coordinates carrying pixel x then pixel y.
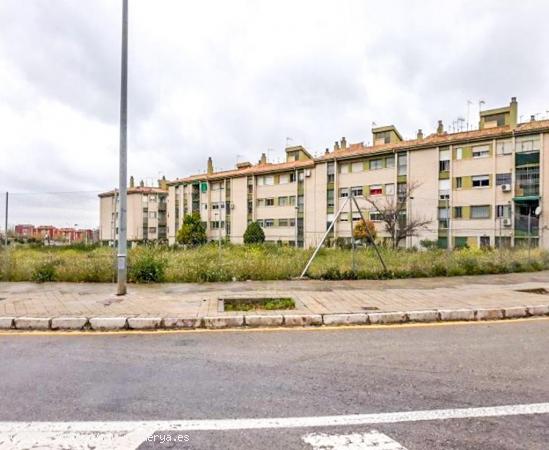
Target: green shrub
{"type": "Point", "coordinates": [254, 234]}
{"type": "Point", "coordinates": [45, 271]}
{"type": "Point", "coordinates": [192, 232]}
{"type": "Point", "coordinates": [147, 266]}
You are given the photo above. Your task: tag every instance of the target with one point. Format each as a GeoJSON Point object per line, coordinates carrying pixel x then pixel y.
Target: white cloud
{"type": "Point", "coordinates": [236, 78]}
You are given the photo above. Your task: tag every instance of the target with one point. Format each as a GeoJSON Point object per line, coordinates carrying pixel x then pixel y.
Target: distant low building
{"type": "Point", "coordinates": [146, 213]}
{"type": "Point", "coordinates": [51, 233]}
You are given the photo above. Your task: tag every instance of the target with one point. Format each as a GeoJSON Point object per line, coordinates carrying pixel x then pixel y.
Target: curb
{"type": "Point", "coordinates": [265, 320]}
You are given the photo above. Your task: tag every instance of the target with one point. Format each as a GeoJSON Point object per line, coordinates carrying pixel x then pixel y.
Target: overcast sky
{"type": "Point", "coordinates": [232, 79]}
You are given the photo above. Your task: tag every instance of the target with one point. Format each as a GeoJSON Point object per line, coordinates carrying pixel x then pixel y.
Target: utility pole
{"type": "Point", "coordinates": [352, 233]}
{"type": "Point", "coordinates": [123, 163]}
{"type": "Point", "coordinates": [6, 222]}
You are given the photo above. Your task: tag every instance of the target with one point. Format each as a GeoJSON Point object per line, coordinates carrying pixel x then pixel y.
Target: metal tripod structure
{"type": "Point", "coordinates": [351, 199]}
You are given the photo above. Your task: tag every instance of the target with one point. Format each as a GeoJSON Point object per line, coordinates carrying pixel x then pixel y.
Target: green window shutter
{"type": "Point", "coordinates": [467, 182]}
{"type": "Point", "coordinates": [366, 165]}
{"type": "Point", "coordinates": [277, 179]}
{"type": "Point", "coordinates": [466, 212]}
{"type": "Point", "coordinates": [467, 152]}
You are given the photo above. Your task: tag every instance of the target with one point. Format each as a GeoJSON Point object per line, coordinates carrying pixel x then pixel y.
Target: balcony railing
{"type": "Point", "coordinates": [526, 189]}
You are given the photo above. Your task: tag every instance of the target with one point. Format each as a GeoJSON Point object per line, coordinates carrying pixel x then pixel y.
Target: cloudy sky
{"type": "Point", "coordinates": [234, 79]}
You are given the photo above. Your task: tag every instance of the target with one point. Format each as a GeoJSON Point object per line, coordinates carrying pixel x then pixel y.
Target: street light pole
{"type": "Point", "coordinates": [6, 223]}
{"type": "Point", "coordinates": [123, 163]}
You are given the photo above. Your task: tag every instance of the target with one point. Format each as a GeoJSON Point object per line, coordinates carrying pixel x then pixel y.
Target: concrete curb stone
{"type": "Point", "coordinates": [489, 314]}
{"type": "Point", "coordinates": [223, 321]}
{"type": "Point", "coordinates": [32, 323]}
{"type": "Point", "coordinates": [108, 323]}
{"type": "Point", "coordinates": [538, 310]}
{"type": "Point", "coordinates": [258, 320]}
{"type": "Point", "coordinates": [388, 317]}
{"type": "Point", "coordinates": [144, 323]}
{"type": "Point", "coordinates": [182, 322]}
{"type": "Point", "coordinates": [515, 312]}
{"type": "Point", "coordinates": [305, 320]}
{"type": "Point", "coordinates": [68, 323]}
{"type": "Point", "coordinates": [6, 323]}
{"type": "Point", "coordinates": [345, 319]}
{"type": "Point", "coordinates": [450, 315]}
{"type": "Point", "coordinates": [423, 316]}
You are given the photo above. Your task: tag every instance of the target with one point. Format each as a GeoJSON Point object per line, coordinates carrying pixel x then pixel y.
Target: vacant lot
{"type": "Point", "coordinates": [208, 263]}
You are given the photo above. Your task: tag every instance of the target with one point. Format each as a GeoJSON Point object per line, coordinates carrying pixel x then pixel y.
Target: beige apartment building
{"type": "Point", "coordinates": [476, 188]}
{"type": "Point", "coordinates": [146, 214]}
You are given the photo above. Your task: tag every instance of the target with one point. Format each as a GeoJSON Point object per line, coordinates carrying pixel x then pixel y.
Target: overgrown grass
{"type": "Point", "coordinates": [207, 263]}
{"type": "Point", "coordinates": [260, 304]}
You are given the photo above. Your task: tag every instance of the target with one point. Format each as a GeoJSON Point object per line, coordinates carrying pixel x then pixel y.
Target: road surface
{"type": "Point", "coordinates": [401, 387]}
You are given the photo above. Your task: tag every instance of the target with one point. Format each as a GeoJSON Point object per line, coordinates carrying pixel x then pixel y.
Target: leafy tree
{"type": "Point", "coordinates": [192, 232]}
{"type": "Point", "coordinates": [365, 230]}
{"type": "Point", "coordinates": [254, 234]}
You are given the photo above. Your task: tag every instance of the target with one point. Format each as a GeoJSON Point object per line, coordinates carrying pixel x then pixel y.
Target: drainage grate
{"type": "Point", "coordinates": [541, 291]}
{"type": "Point", "coordinates": [370, 308]}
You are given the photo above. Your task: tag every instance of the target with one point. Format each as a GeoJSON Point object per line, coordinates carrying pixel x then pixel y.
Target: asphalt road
{"type": "Point", "coordinates": [278, 374]}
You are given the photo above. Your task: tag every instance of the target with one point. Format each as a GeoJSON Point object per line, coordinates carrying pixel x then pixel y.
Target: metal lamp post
{"type": "Point", "coordinates": [122, 272]}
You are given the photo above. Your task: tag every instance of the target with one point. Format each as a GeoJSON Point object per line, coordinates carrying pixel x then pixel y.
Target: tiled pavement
{"type": "Point", "coordinates": [312, 296]}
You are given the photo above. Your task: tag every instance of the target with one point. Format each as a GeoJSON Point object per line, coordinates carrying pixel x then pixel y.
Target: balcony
{"type": "Point", "coordinates": [527, 189]}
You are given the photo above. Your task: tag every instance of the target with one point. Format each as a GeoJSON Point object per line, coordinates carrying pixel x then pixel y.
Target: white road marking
{"type": "Point", "coordinates": [52, 434]}
{"type": "Point", "coordinates": [373, 440]}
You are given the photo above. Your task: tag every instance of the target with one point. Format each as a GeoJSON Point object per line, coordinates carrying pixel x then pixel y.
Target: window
{"type": "Point", "coordinates": [376, 189]}
{"type": "Point", "coordinates": [204, 206]}
{"type": "Point", "coordinates": [259, 222]}
{"type": "Point", "coordinates": [344, 168]}
{"type": "Point", "coordinates": [390, 162]}
{"type": "Point", "coordinates": [376, 216]}
{"type": "Point", "coordinates": [402, 164]}
{"type": "Point", "coordinates": [260, 202]}
{"type": "Point", "coordinates": [442, 213]}
{"type": "Point", "coordinates": [282, 201]}
{"type": "Point", "coordinates": [152, 230]}
{"type": "Point", "coordinates": [527, 144]}
{"type": "Point", "coordinates": [330, 198]}
{"type": "Point", "coordinates": [356, 191]}
{"type": "Point", "coordinates": [484, 241]}
{"type": "Point", "coordinates": [504, 147]}
{"type": "Point", "coordinates": [269, 202]}
{"type": "Point", "coordinates": [344, 217]}
{"type": "Point", "coordinates": [481, 181]}
{"type": "Point", "coordinates": [292, 222]}
{"type": "Point", "coordinates": [459, 153]}
{"type": "Point", "coordinates": [458, 212]}
{"type": "Point", "coordinates": [282, 222]}
{"type": "Point", "coordinates": [292, 177]}
{"type": "Point", "coordinates": [301, 176]}
{"type": "Point", "coordinates": [152, 215]}
{"type": "Point", "coordinates": [390, 189]}
{"type": "Point", "coordinates": [443, 189]}
{"type": "Point", "coordinates": [481, 151]}
{"type": "Point", "coordinates": [291, 198]}
{"type": "Point", "coordinates": [269, 180]}
{"type": "Point", "coordinates": [376, 164]}
{"type": "Point", "coordinates": [330, 168]}
{"type": "Point", "coordinates": [152, 198]}
{"type": "Point", "coordinates": [459, 182]}
{"type": "Point", "coordinates": [444, 166]}
{"type": "Point", "coordinates": [284, 179]}
{"type": "Point", "coordinates": [503, 178]}
{"type": "Point", "coordinates": [503, 211]}
{"type": "Point", "coordinates": [145, 199]}
{"type": "Point", "coordinates": [495, 120]}
{"type": "Point", "coordinates": [480, 212]}
{"type": "Point", "coordinates": [343, 192]}
{"type": "Point", "coordinates": [269, 223]}
{"type": "Point", "coordinates": [357, 167]}
{"type": "Point", "coordinates": [215, 205]}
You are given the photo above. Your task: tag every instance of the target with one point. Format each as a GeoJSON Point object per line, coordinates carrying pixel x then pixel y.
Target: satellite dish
{"type": "Point", "coordinates": [537, 212]}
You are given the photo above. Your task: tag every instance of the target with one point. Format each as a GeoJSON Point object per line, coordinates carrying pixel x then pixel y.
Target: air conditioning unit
{"type": "Point", "coordinates": [507, 222]}
{"type": "Point", "coordinates": [308, 172]}
{"type": "Point", "coordinates": [506, 187]}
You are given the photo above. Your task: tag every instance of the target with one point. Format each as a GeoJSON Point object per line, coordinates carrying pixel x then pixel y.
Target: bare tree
{"type": "Point", "coordinates": [391, 210]}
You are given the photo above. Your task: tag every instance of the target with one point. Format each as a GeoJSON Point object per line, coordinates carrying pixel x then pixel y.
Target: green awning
{"type": "Point", "coordinates": [526, 198]}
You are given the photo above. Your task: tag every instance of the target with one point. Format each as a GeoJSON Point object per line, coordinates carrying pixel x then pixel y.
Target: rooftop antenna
{"type": "Point", "coordinates": [469, 103]}
{"type": "Point", "coordinates": [460, 120]}
{"type": "Point", "coordinates": [288, 140]}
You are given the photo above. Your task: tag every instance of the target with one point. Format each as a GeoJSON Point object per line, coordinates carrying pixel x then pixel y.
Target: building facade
{"type": "Point", "coordinates": [146, 214]}
{"type": "Point", "coordinates": [484, 187]}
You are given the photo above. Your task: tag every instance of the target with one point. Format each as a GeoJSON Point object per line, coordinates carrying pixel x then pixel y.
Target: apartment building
{"type": "Point", "coordinates": [146, 213]}
{"type": "Point", "coordinates": [477, 188]}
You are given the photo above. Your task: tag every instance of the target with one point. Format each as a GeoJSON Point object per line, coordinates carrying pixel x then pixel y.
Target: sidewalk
{"type": "Point", "coordinates": [313, 298]}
